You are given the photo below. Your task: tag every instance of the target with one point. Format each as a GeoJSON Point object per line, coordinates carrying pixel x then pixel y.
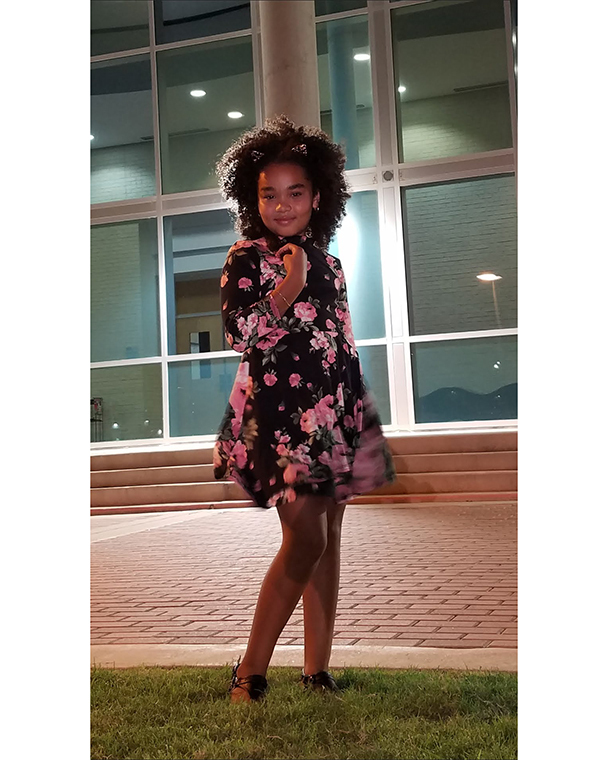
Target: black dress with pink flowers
{"type": "Point", "coordinates": [300, 419]}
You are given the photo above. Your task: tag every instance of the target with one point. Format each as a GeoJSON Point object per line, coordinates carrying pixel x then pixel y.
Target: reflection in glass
{"type": "Point", "coordinates": [324, 7]}
{"type": "Point", "coordinates": [190, 19]}
{"type": "Point", "coordinates": [375, 373]}
{"type": "Point", "coordinates": [122, 144]}
{"type": "Point", "coordinates": [196, 129]}
{"type": "Point", "coordinates": [124, 291]}
{"type": "Point", "coordinates": [357, 245]}
{"type": "Point", "coordinates": [196, 246]}
{"type": "Point", "coordinates": [456, 231]}
{"type": "Point", "coordinates": [118, 25]}
{"type": "Point", "coordinates": [199, 393]}
{"type": "Point", "coordinates": [345, 88]}
{"type": "Point", "coordinates": [473, 379]}
{"type": "Point", "coordinates": [128, 403]}
{"type": "Point", "coordinates": [451, 82]}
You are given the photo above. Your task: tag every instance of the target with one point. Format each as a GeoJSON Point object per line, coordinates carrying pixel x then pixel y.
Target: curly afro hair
{"type": "Point", "coordinates": [323, 161]}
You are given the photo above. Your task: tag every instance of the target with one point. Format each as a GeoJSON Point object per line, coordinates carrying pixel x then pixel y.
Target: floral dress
{"type": "Point", "coordinates": [300, 419]}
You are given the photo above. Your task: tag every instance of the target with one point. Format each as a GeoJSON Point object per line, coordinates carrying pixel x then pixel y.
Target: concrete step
{"type": "Point", "coordinates": [479, 497]}
{"type": "Point", "coordinates": [399, 445]}
{"type": "Point", "coordinates": [160, 458]}
{"type": "Point", "coordinates": [453, 442]}
{"type": "Point", "coordinates": [196, 473]}
{"type": "Point", "coordinates": [165, 494]}
{"type": "Point", "coordinates": [405, 463]}
{"type": "Point", "coordinates": [454, 461]}
{"type": "Point", "coordinates": [423, 498]}
{"type": "Point", "coordinates": [446, 482]}
{"type": "Point", "coordinates": [134, 509]}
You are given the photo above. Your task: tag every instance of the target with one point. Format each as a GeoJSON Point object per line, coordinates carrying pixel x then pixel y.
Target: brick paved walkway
{"type": "Point", "coordinates": [428, 576]}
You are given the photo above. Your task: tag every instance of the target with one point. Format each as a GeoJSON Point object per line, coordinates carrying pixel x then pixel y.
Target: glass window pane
{"type": "Point", "coordinates": [128, 403]}
{"type": "Point", "coordinates": [323, 7]}
{"type": "Point", "coordinates": [176, 20]}
{"type": "Point", "coordinates": [375, 373]}
{"type": "Point", "coordinates": [122, 144]}
{"type": "Point", "coordinates": [118, 25]}
{"type": "Point", "coordinates": [454, 232]}
{"type": "Point", "coordinates": [196, 129]}
{"type": "Point", "coordinates": [451, 78]}
{"type": "Point", "coordinates": [345, 88]}
{"type": "Point", "coordinates": [474, 379]}
{"type": "Point", "coordinates": [196, 246]}
{"type": "Point", "coordinates": [124, 291]}
{"type": "Point", "coordinates": [199, 393]}
{"type": "Point", "coordinates": [357, 245]}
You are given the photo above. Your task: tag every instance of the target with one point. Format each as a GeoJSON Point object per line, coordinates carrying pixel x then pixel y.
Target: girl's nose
{"type": "Point", "coordinates": [283, 204]}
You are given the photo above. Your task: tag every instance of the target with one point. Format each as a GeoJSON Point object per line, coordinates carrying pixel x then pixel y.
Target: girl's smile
{"type": "Point", "coordinates": [285, 199]}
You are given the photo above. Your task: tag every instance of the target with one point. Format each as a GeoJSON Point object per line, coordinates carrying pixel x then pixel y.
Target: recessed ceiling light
{"type": "Point", "coordinates": [488, 277]}
{"type": "Point", "coordinates": [235, 114]}
{"type": "Point", "coordinates": [197, 93]}
{"type": "Point", "coordinates": [401, 88]}
{"type": "Point", "coordinates": [361, 56]}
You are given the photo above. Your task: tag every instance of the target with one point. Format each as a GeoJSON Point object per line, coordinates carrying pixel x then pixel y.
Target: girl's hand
{"type": "Point", "coordinates": [295, 262]}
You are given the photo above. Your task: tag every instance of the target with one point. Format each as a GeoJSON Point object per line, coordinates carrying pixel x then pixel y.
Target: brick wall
{"type": "Point", "coordinates": [122, 173]}
{"type": "Point", "coordinates": [455, 231]}
{"type": "Point", "coordinates": [131, 395]}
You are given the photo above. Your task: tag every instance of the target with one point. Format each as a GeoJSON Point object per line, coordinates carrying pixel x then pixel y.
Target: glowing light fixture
{"type": "Point", "coordinates": [235, 114]}
{"type": "Point", "coordinates": [91, 137]}
{"type": "Point", "coordinates": [401, 88]}
{"type": "Point", "coordinates": [361, 56]}
{"type": "Point", "coordinates": [488, 277]}
{"type": "Point", "coordinates": [197, 93]}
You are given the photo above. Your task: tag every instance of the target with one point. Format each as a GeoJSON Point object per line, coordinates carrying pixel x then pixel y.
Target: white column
{"type": "Point", "coordinates": [289, 60]}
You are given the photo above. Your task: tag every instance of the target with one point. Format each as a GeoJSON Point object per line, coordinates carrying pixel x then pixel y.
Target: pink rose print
{"type": "Point", "coordinates": [239, 452]}
{"type": "Point", "coordinates": [319, 341]}
{"type": "Point", "coordinates": [305, 311]}
{"type": "Point", "coordinates": [292, 471]}
{"type": "Point", "coordinates": [308, 421]}
{"type": "Point", "coordinates": [296, 358]}
{"type": "Point", "coordinates": [281, 407]}
{"type": "Point", "coordinates": [245, 283]}
{"type": "Point", "coordinates": [331, 355]}
{"type": "Point", "coordinates": [223, 279]}
{"type": "Point", "coordinates": [294, 380]}
{"type": "Point", "coordinates": [270, 378]}
{"type": "Point", "coordinates": [348, 421]}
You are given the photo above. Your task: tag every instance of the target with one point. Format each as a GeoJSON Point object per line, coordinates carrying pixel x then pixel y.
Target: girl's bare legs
{"type": "Point", "coordinates": [320, 597]}
{"type": "Point", "coordinates": [304, 525]}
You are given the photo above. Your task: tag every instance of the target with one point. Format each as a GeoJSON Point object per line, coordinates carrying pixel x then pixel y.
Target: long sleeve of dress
{"type": "Point", "coordinates": [247, 316]}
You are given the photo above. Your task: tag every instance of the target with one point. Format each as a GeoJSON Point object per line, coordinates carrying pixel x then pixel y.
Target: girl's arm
{"type": "Point", "coordinates": [247, 317]}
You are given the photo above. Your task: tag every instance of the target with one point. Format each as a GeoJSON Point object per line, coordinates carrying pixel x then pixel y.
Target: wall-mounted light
{"type": "Point", "coordinates": [197, 93]}
{"type": "Point", "coordinates": [488, 277]}
{"type": "Point", "coordinates": [92, 137]}
{"type": "Point", "coordinates": [401, 88]}
{"type": "Point", "coordinates": [235, 114]}
{"type": "Point", "coordinates": [361, 56]}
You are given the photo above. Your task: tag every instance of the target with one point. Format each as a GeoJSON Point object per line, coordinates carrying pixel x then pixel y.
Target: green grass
{"type": "Point", "coordinates": [185, 713]}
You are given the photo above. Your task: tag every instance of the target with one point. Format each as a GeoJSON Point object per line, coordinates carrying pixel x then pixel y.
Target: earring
{"type": "Point", "coordinates": [308, 231]}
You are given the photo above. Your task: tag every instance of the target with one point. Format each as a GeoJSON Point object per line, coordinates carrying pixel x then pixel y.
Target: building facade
{"type": "Point", "coordinates": [422, 95]}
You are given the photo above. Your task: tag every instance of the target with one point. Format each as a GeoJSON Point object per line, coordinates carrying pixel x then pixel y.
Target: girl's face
{"type": "Point", "coordinates": [285, 199]}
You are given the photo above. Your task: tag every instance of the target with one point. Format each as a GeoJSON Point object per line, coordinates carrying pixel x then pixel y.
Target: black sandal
{"type": "Point", "coordinates": [321, 681]}
{"type": "Point", "coordinates": [255, 685]}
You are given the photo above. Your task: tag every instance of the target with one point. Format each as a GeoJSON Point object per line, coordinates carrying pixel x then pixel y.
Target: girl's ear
{"type": "Point", "coordinates": [315, 200]}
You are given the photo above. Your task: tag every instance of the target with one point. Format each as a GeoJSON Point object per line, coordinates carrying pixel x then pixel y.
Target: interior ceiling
{"type": "Point", "coordinates": [429, 66]}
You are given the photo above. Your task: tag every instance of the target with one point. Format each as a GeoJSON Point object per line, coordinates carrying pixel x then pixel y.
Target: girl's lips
{"type": "Point", "coordinates": [285, 221]}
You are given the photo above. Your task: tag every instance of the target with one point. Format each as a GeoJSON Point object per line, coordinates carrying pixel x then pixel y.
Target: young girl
{"type": "Point", "coordinates": [301, 432]}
